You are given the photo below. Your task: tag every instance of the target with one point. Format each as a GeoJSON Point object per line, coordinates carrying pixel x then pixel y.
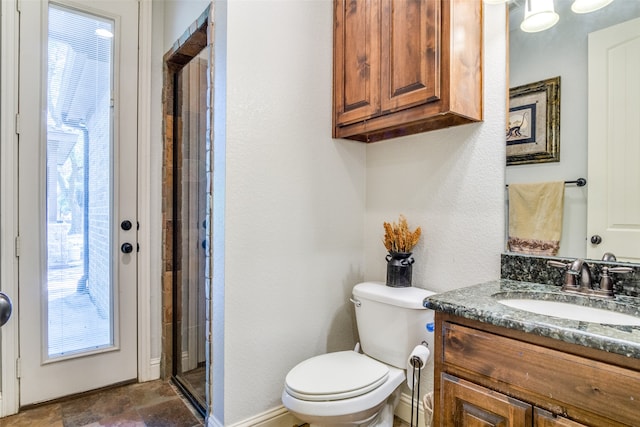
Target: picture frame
{"type": "Point", "coordinates": [533, 123]}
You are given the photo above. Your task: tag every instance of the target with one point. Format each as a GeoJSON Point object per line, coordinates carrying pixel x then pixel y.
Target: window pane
{"type": "Point", "coordinates": [79, 151]}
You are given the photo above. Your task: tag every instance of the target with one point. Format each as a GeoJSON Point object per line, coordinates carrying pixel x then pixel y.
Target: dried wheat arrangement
{"type": "Point", "coordinates": [398, 237]}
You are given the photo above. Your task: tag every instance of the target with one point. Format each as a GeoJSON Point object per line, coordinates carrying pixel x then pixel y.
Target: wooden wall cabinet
{"type": "Point", "coordinates": [491, 376]}
{"type": "Point", "coordinates": [405, 66]}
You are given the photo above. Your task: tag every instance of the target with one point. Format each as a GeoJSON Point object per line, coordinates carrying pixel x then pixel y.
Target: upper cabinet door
{"type": "Point", "coordinates": [410, 62]}
{"type": "Point", "coordinates": [356, 60]}
{"type": "Point", "coordinates": [405, 66]}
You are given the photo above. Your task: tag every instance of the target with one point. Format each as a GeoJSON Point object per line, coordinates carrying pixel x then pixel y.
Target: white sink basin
{"type": "Point", "coordinates": [565, 310]}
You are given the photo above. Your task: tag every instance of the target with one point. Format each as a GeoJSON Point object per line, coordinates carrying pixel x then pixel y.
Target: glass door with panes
{"type": "Point", "coordinates": [77, 196]}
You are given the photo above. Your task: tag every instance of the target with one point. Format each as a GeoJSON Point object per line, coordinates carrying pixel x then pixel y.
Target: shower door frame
{"type": "Point", "coordinates": [189, 46]}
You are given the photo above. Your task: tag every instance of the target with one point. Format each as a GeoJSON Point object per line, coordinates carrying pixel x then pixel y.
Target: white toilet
{"type": "Point", "coordinates": [347, 388]}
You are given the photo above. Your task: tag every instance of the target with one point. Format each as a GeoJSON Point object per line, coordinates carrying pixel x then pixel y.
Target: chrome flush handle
{"type": "Point", "coordinates": [355, 302]}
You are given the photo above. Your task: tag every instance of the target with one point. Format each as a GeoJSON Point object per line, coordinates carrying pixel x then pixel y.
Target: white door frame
{"type": "Point", "coordinates": [9, 201]}
{"type": "Point", "coordinates": [147, 370]}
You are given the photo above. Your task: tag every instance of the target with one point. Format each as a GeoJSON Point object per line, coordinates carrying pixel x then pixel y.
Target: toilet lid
{"type": "Point", "coordinates": [335, 376]}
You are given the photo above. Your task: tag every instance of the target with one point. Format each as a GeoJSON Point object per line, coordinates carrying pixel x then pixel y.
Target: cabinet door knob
{"type": "Point", "coordinates": [126, 248]}
{"type": "Point", "coordinates": [596, 240]}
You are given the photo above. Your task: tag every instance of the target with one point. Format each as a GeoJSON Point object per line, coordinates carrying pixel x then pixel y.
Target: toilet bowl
{"type": "Point", "coordinates": [342, 388]}
{"type": "Point", "coordinates": [349, 388]}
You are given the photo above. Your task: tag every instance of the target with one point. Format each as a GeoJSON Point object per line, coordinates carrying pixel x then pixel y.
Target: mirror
{"type": "Point", "coordinates": [562, 51]}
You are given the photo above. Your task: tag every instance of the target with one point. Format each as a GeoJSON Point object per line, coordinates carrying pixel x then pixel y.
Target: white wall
{"type": "Point", "coordinates": [450, 182]}
{"type": "Point", "coordinates": [562, 51]}
{"type": "Point", "coordinates": [294, 198]}
{"type": "Point", "coordinates": [304, 213]}
{"type": "Point", "coordinates": [295, 201]}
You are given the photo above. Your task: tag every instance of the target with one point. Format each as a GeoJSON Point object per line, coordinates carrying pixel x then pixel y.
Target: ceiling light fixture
{"type": "Point", "coordinates": [586, 6]}
{"type": "Point", "coordinates": [103, 32]}
{"type": "Point", "coordinates": [539, 15]}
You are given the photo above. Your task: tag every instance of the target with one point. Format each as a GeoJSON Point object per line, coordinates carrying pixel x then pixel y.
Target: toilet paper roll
{"type": "Point", "coordinates": [417, 359]}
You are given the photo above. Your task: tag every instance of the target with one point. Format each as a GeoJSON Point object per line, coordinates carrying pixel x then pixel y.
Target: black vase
{"type": "Point", "coordinates": [399, 269]}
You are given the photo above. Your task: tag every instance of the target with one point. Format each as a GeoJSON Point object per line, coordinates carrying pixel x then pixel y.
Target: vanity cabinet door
{"type": "Point", "coordinates": [544, 418]}
{"type": "Point", "coordinates": [465, 404]}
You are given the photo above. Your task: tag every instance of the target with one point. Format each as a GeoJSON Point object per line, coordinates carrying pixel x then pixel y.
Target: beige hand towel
{"type": "Point", "coordinates": [535, 217]}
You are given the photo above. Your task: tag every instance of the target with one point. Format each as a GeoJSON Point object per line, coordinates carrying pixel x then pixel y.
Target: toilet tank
{"type": "Point", "coordinates": [392, 321]}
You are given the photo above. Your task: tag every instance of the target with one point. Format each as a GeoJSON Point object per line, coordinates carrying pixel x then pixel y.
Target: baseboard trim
{"type": "Point", "coordinates": [280, 417]}
{"type": "Point", "coordinates": [154, 368]}
{"type": "Point", "coordinates": [212, 422]}
{"type": "Point", "coordinates": [403, 410]}
{"type": "Point", "coordinates": [276, 417]}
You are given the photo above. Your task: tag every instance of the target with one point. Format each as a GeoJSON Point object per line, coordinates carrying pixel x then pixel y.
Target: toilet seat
{"type": "Point", "coordinates": [335, 376]}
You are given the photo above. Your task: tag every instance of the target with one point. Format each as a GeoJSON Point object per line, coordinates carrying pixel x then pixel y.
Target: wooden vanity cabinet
{"type": "Point", "coordinates": [487, 375]}
{"type": "Point", "coordinates": [399, 70]}
{"type": "Point", "coordinates": [467, 404]}
{"type": "Point", "coordinates": [544, 418]}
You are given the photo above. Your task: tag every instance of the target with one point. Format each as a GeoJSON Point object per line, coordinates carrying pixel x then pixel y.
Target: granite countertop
{"type": "Point", "coordinates": [478, 303]}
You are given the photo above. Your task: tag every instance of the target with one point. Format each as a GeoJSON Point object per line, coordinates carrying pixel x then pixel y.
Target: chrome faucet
{"type": "Point", "coordinates": [580, 269]}
{"type": "Point", "coordinates": [573, 271]}
{"type": "Point", "coordinates": [577, 278]}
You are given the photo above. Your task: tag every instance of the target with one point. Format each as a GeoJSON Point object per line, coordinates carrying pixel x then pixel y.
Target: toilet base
{"type": "Point", "coordinates": [382, 418]}
{"type": "Point", "coordinates": [386, 414]}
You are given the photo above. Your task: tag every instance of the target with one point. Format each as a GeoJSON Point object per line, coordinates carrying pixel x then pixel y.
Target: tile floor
{"type": "Point", "coordinates": [150, 404]}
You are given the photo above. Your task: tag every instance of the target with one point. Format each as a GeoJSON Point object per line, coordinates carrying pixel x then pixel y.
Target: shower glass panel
{"type": "Point", "coordinates": [190, 186]}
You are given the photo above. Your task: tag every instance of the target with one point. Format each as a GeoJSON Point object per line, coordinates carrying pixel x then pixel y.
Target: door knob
{"type": "Point", "coordinates": [5, 308]}
{"type": "Point", "coordinates": [596, 240]}
{"type": "Point", "coordinates": [126, 248]}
